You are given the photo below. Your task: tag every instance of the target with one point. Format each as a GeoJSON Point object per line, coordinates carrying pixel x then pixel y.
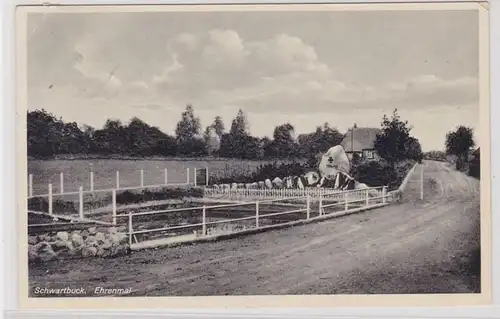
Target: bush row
{"type": "Point", "coordinates": [372, 173]}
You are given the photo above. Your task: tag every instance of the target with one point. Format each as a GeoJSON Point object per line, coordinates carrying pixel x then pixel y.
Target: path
{"type": "Point", "coordinates": [413, 247]}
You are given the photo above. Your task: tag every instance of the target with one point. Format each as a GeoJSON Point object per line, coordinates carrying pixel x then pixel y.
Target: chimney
{"type": "Point", "coordinates": [355, 126]}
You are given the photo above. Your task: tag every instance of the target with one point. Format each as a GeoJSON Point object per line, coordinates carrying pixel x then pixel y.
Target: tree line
{"type": "Point", "coordinates": [49, 136]}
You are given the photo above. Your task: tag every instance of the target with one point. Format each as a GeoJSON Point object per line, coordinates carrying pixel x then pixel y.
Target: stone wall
{"type": "Point", "coordinates": [91, 242]}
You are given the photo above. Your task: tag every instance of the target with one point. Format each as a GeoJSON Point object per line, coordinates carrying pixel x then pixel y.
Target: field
{"type": "Point", "coordinates": [77, 172]}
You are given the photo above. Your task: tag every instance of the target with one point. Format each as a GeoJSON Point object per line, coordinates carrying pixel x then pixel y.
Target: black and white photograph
{"type": "Point", "coordinates": [253, 150]}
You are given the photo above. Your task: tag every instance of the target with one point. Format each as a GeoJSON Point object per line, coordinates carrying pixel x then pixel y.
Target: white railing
{"type": "Point", "coordinates": [365, 197]}
{"type": "Point", "coordinates": [189, 181]}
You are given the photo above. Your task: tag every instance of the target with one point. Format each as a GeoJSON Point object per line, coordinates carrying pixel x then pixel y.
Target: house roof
{"type": "Point", "coordinates": [362, 138]}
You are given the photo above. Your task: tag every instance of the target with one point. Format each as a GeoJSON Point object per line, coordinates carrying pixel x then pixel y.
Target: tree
{"type": "Point", "coordinates": [187, 132]}
{"type": "Point", "coordinates": [234, 144]}
{"type": "Point", "coordinates": [459, 143]}
{"type": "Point", "coordinates": [394, 143]}
{"type": "Point", "coordinates": [414, 150]}
{"type": "Point", "coordinates": [313, 144]}
{"type": "Point", "coordinates": [212, 140]}
{"type": "Point", "coordinates": [239, 125]}
{"type": "Point", "coordinates": [218, 125]}
{"type": "Point", "coordinates": [284, 142]}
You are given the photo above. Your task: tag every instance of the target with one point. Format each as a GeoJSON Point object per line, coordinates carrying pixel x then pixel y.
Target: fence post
{"type": "Point", "coordinates": [117, 179]}
{"type": "Point", "coordinates": [61, 182]}
{"type": "Point", "coordinates": [383, 194]}
{"type": "Point", "coordinates": [50, 199]}
{"type": "Point", "coordinates": [80, 202]}
{"type": "Point", "coordinates": [308, 207]}
{"type": "Point", "coordinates": [204, 221]}
{"type": "Point", "coordinates": [130, 231]}
{"type": "Point", "coordinates": [30, 185]}
{"type": "Point", "coordinates": [346, 204]}
{"type": "Point", "coordinates": [206, 176]}
{"type": "Point", "coordinates": [113, 195]}
{"type": "Point", "coordinates": [92, 181]}
{"type": "Point", "coordinates": [187, 175]}
{"type": "Point", "coordinates": [195, 177]}
{"type": "Point", "coordinates": [422, 182]}
{"type": "Point", "coordinates": [142, 178]}
{"type": "Point", "coordinates": [166, 176]}
{"type": "Point", "coordinates": [320, 205]}
{"type": "Point", "coordinates": [367, 197]}
{"type": "Point", "coordinates": [256, 214]}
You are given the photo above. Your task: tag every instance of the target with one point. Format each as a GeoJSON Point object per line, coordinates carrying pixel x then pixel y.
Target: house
{"type": "Point", "coordinates": [360, 141]}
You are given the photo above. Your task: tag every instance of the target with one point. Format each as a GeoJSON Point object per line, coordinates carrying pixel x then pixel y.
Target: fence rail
{"type": "Point", "coordinates": [327, 203]}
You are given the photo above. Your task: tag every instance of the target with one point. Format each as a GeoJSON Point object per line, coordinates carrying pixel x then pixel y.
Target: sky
{"type": "Point", "coordinates": [305, 68]}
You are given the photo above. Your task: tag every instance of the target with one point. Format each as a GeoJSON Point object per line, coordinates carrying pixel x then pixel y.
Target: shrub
{"type": "Point", "coordinates": [129, 197]}
{"type": "Point", "coordinates": [475, 166]}
{"type": "Point", "coordinates": [263, 172]}
{"type": "Point", "coordinates": [375, 173]}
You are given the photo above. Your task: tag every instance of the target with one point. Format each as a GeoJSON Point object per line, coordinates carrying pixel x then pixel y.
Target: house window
{"type": "Point", "coordinates": [369, 154]}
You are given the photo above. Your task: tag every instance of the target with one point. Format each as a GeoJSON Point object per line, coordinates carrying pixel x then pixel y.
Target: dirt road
{"type": "Point", "coordinates": [415, 247]}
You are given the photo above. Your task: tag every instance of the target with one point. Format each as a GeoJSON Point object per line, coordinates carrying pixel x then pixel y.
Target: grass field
{"type": "Point", "coordinates": [77, 172]}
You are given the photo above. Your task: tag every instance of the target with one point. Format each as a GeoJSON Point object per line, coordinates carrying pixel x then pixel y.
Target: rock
{"type": "Point", "coordinates": [55, 219]}
{"type": "Point", "coordinates": [92, 230]}
{"type": "Point", "coordinates": [85, 233]}
{"type": "Point", "coordinates": [262, 184]}
{"type": "Point", "coordinates": [62, 235]}
{"type": "Point", "coordinates": [78, 232]}
{"type": "Point", "coordinates": [268, 183]}
{"type": "Point", "coordinates": [101, 252]}
{"type": "Point", "coordinates": [46, 252]}
{"type": "Point", "coordinates": [241, 185]}
{"type": "Point", "coordinates": [100, 237]}
{"type": "Point", "coordinates": [312, 178]}
{"type": "Point", "coordinates": [118, 250]}
{"type": "Point", "coordinates": [91, 241]}
{"type": "Point", "coordinates": [112, 230]}
{"type": "Point", "coordinates": [335, 160]}
{"type": "Point", "coordinates": [77, 251]}
{"type": "Point", "coordinates": [122, 229]}
{"type": "Point", "coordinates": [116, 239]}
{"type": "Point", "coordinates": [234, 186]}
{"type": "Point", "coordinates": [32, 240]}
{"type": "Point", "coordinates": [277, 182]}
{"type": "Point", "coordinates": [32, 254]}
{"type": "Point", "coordinates": [77, 240]}
{"type": "Point", "coordinates": [254, 185]}
{"type": "Point", "coordinates": [40, 246]}
{"type": "Point", "coordinates": [44, 237]}
{"type": "Point", "coordinates": [107, 244]}
{"type": "Point", "coordinates": [248, 185]}
{"type": "Point", "coordinates": [89, 251]}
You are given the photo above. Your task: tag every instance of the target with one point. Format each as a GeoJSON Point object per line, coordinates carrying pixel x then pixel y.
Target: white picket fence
{"type": "Point", "coordinates": [314, 192]}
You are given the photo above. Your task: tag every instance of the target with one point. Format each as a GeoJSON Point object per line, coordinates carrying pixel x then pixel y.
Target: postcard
{"type": "Point", "coordinates": [270, 155]}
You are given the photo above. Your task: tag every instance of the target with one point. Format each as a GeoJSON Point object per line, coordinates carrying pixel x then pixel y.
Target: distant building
{"type": "Point", "coordinates": [361, 141]}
